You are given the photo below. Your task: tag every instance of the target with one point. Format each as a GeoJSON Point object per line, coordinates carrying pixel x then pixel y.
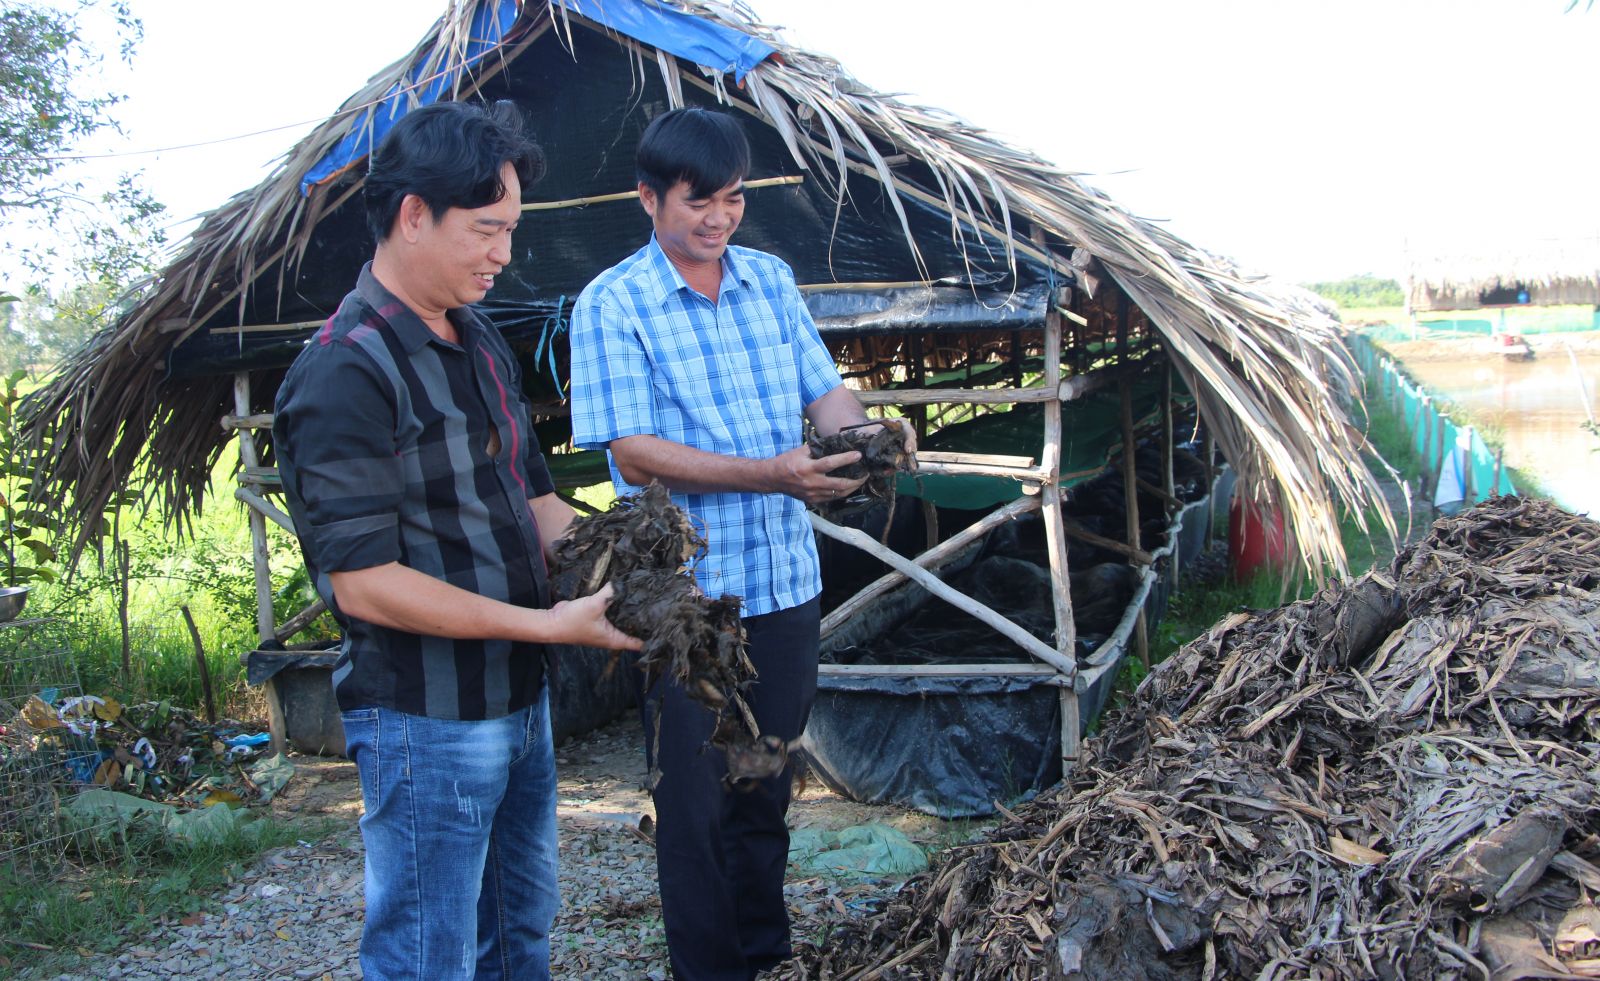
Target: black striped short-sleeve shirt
{"type": "Point", "coordinates": [397, 446]}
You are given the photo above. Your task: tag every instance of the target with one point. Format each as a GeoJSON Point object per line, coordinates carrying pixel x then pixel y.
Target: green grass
{"type": "Point", "coordinates": [1194, 610]}
{"type": "Point", "coordinates": [144, 881]}
{"type": "Point", "coordinates": [209, 570]}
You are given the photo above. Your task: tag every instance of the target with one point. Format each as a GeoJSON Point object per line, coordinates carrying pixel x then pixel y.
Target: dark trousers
{"type": "Point", "coordinates": [721, 854]}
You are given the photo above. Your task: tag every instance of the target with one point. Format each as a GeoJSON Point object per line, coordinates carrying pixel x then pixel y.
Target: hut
{"type": "Point", "coordinates": [1551, 272]}
{"type": "Point", "coordinates": [959, 280]}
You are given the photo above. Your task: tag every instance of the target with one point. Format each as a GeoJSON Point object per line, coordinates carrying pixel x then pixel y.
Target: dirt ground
{"type": "Point", "coordinates": [601, 777]}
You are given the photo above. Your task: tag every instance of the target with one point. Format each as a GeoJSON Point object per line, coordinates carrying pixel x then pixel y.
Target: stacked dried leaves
{"type": "Point", "coordinates": [1394, 779]}
{"type": "Point", "coordinates": [644, 546]}
{"type": "Point", "coordinates": [883, 454]}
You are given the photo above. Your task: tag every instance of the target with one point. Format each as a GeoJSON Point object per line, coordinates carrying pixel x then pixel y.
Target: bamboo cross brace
{"type": "Point", "coordinates": [262, 506]}
{"type": "Point", "coordinates": [630, 195]}
{"type": "Point", "coordinates": [949, 594]}
{"type": "Point", "coordinates": [933, 558]}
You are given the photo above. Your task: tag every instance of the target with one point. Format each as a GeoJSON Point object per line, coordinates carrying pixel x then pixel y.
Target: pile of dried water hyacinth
{"type": "Point", "coordinates": [644, 546]}
{"type": "Point", "coordinates": [1399, 778]}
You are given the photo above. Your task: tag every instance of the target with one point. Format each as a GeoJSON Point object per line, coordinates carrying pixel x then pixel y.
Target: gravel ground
{"type": "Point", "coordinates": [297, 912]}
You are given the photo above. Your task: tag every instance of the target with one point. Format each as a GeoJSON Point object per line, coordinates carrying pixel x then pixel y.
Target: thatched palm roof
{"type": "Point", "coordinates": [1267, 370]}
{"type": "Point", "coordinates": [1555, 272]}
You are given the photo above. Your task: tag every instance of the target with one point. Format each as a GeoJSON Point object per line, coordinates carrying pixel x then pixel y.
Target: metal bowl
{"type": "Point", "coordinates": [12, 600]}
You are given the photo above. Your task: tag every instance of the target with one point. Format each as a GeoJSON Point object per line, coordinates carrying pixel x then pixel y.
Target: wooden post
{"type": "Point", "coordinates": [919, 375]}
{"type": "Point", "coordinates": [1130, 472]}
{"type": "Point", "coordinates": [258, 522]}
{"type": "Point", "coordinates": [1499, 461]}
{"type": "Point", "coordinates": [277, 728]}
{"type": "Point", "coordinates": [1426, 426]}
{"type": "Point", "coordinates": [265, 627]}
{"type": "Point", "coordinates": [1469, 492]}
{"type": "Point", "coordinates": [200, 661]}
{"type": "Point", "coordinates": [1168, 446]}
{"type": "Point", "coordinates": [1054, 534]}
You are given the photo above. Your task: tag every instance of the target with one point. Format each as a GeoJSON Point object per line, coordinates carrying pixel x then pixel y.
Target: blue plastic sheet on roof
{"type": "Point", "coordinates": [700, 41]}
{"type": "Point", "coordinates": [420, 87]}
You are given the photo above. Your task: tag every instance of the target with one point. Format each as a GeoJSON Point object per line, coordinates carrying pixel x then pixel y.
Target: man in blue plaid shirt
{"type": "Point", "coordinates": [693, 362]}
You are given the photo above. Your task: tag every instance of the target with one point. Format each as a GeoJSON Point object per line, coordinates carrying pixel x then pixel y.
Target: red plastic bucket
{"type": "Point", "coordinates": [1255, 537]}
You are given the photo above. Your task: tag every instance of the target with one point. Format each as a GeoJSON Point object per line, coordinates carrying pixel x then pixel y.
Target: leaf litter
{"type": "Point", "coordinates": [1396, 778]}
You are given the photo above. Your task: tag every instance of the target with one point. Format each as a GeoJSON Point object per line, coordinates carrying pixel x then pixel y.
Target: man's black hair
{"type": "Point", "coordinates": [449, 154]}
{"type": "Point", "coordinates": [704, 149]}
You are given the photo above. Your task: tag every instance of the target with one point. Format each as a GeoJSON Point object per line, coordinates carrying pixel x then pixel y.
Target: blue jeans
{"type": "Point", "coordinates": [460, 835]}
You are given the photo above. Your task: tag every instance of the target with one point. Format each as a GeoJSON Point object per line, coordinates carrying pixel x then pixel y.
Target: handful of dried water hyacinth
{"type": "Point", "coordinates": [883, 454]}
{"type": "Point", "coordinates": [644, 546]}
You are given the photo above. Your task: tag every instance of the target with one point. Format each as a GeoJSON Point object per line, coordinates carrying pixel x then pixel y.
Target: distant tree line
{"type": "Point", "coordinates": [1365, 290]}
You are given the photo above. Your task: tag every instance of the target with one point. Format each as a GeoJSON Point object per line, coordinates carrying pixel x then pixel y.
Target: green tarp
{"type": "Point", "coordinates": [1091, 430]}
{"type": "Point", "coordinates": [867, 849]}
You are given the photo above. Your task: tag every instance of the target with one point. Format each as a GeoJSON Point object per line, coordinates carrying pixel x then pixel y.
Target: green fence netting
{"type": "Point", "coordinates": [1482, 323]}
{"type": "Point", "coordinates": [1432, 432]}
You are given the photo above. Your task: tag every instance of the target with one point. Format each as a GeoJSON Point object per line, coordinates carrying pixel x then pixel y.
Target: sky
{"type": "Point", "coordinates": [1310, 141]}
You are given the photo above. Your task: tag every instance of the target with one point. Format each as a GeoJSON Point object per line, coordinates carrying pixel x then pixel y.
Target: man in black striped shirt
{"type": "Point", "coordinates": [425, 512]}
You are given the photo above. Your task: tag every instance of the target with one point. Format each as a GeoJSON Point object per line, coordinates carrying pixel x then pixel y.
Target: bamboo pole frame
{"type": "Point", "coordinates": [1130, 472]}
{"type": "Point", "coordinates": [1055, 536]}
{"type": "Point", "coordinates": [265, 625]}
{"type": "Point", "coordinates": [949, 594]}
{"type": "Point", "coordinates": [931, 560]}
{"type": "Point", "coordinates": [631, 195]}
{"type": "Point", "coordinates": [258, 524]}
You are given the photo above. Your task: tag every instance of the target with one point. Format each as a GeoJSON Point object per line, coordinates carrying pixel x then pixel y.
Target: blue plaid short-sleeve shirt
{"type": "Point", "coordinates": [651, 356]}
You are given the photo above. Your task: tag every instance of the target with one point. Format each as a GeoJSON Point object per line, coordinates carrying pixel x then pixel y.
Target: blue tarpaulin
{"type": "Point", "coordinates": [700, 41]}
{"type": "Point", "coordinates": [692, 38]}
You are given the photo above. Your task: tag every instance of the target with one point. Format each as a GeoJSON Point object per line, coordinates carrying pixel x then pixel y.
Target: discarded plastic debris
{"type": "Point", "coordinates": [866, 849]}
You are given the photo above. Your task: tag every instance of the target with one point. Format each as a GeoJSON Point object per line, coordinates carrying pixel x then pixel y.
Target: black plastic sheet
{"type": "Point", "coordinates": [950, 747]}
{"type": "Point", "coordinates": [588, 107]}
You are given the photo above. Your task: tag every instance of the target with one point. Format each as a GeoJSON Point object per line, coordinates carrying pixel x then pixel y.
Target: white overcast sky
{"type": "Point", "coordinates": [1307, 140]}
